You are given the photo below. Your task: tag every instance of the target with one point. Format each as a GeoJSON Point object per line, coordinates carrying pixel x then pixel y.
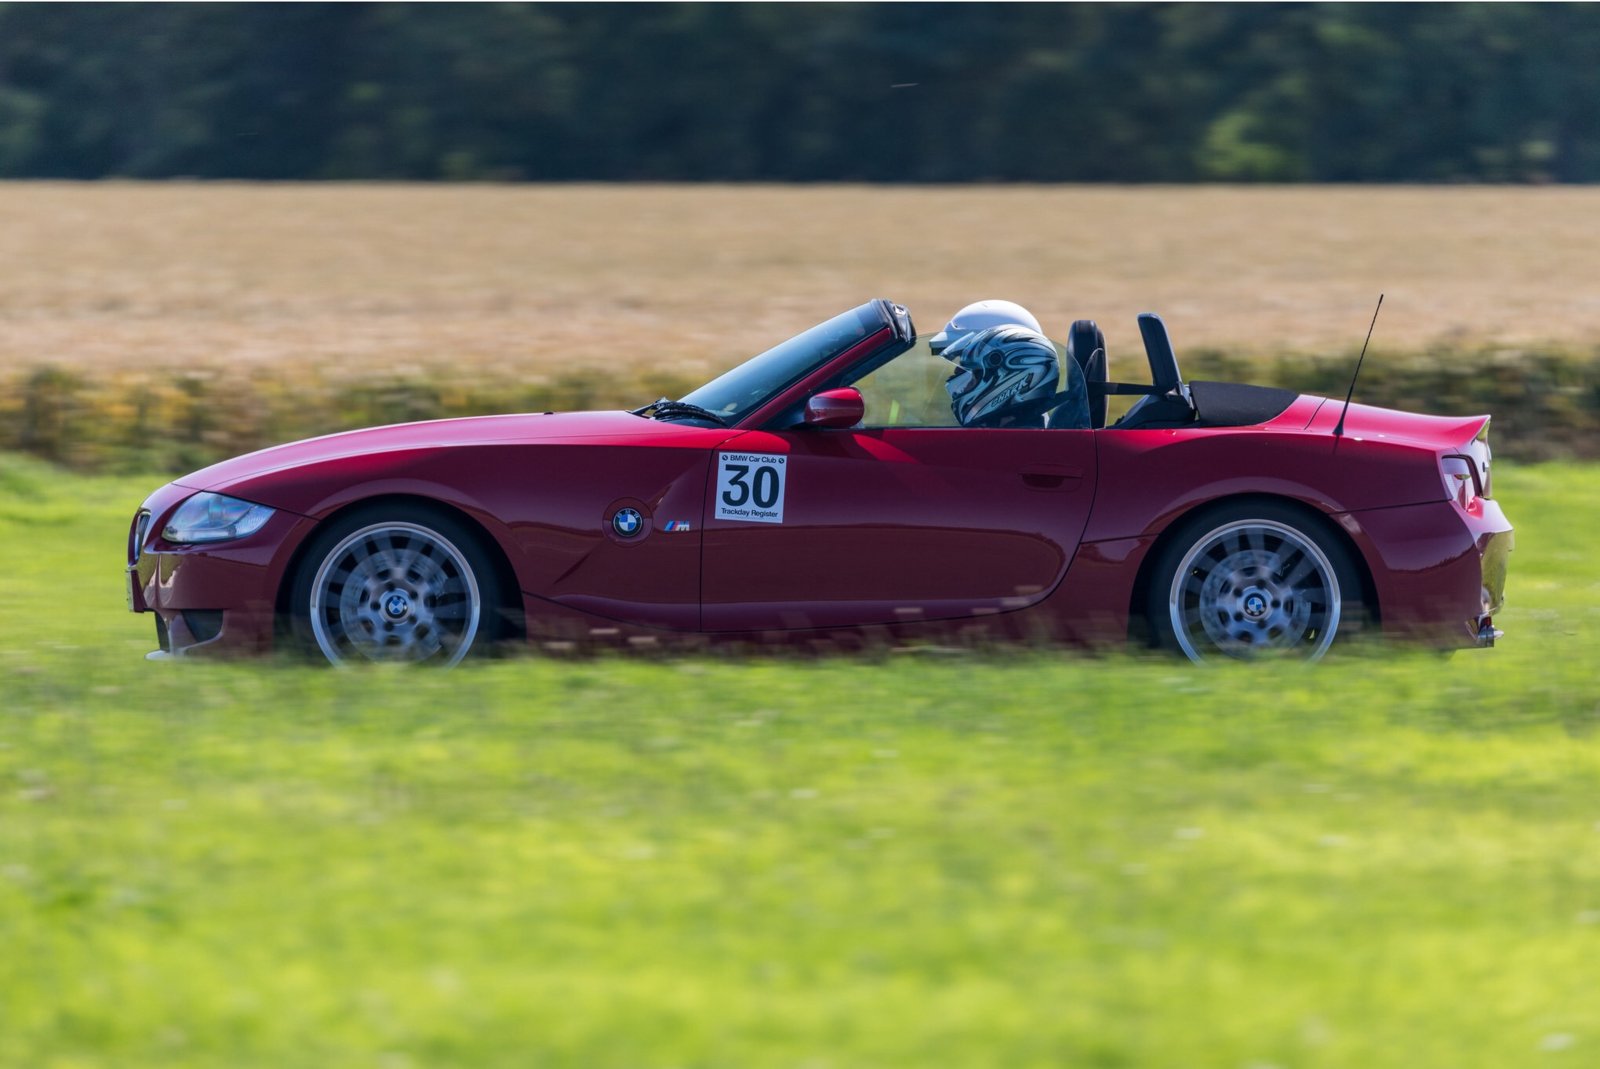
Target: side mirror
{"type": "Point", "coordinates": [842, 407]}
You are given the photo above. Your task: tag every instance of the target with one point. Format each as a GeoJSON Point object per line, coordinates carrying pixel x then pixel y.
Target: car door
{"type": "Point", "coordinates": [812, 528]}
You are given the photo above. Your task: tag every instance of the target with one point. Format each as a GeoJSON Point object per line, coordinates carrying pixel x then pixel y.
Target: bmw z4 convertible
{"type": "Point", "coordinates": [855, 483]}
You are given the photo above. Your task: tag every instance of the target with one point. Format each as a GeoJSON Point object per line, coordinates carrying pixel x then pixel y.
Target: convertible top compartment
{"type": "Point", "coordinates": [1235, 404]}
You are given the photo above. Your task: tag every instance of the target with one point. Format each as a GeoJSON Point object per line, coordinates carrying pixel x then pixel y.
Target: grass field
{"type": "Point", "coordinates": [1036, 860]}
{"type": "Point", "coordinates": [528, 280]}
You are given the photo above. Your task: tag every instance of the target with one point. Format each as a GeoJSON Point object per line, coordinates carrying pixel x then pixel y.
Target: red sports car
{"type": "Point", "coordinates": [827, 490]}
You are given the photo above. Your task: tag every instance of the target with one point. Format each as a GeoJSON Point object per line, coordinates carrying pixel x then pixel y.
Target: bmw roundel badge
{"type": "Point", "coordinates": [627, 522]}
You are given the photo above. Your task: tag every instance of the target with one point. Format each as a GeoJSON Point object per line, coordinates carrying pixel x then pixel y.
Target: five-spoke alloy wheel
{"type": "Point", "coordinates": [395, 589]}
{"type": "Point", "coordinates": [1248, 581]}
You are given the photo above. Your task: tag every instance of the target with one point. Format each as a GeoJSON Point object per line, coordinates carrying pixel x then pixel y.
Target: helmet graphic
{"type": "Point", "coordinates": [1001, 372]}
{"type": "Point", "coordinates": [981, 315]}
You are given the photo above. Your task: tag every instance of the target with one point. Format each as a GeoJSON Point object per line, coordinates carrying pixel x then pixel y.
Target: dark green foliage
{"type": "Point", "coordinates": [873, 92]}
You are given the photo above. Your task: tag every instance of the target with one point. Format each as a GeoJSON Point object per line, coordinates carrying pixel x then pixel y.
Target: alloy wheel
{"type": "Point", "coordinates": [1254, 587]}
{"type": "Point", "coordinates": [395, 591]}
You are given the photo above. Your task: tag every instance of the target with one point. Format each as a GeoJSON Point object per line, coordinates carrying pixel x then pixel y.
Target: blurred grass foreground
{"type": "Point", "coordinates": [907, 860]}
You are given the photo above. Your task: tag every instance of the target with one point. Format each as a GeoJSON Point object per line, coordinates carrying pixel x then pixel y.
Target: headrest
{"type": "Point", "coordinates": [1158, 350]}
{"type": "Point", "coordinates": [1086, 346]}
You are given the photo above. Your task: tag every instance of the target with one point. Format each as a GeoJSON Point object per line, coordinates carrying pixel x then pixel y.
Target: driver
{"type": "Point", "coordinates": [1006, 376]}
{"type": "Point", "coordinates": [981, 315]}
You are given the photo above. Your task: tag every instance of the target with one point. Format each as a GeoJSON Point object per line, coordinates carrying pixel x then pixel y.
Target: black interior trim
{"type": "Point", "coordinates": [1157, 412]}
{"type": "Point", "coordinates": [1122, 389]}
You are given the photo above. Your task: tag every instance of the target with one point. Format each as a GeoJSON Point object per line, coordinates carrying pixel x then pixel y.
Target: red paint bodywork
{"type": "Point", "coordinates": [898, 532]}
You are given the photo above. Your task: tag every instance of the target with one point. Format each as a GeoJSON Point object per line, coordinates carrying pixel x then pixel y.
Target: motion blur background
{"type": "Point", "coordinates": [497, 233]}
{"type": "Point", "coordinates": [225, 226]}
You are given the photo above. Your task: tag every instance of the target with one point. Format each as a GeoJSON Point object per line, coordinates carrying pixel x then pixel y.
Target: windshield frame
{"type": "Point", "coordinates": [767, 377]}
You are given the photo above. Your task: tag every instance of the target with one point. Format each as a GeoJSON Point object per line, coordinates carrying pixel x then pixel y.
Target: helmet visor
{"type": "Point", "coordinates": [961, 381]}
{"type": "Point", "coordinates": [940, 342]}
{"type": "Point", "coordinates": [951, 346]}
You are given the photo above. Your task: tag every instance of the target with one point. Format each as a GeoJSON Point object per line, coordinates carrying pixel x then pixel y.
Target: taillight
{"type": "Point", "coordinates": [1478, 449]}
{"type": "Point", "coordinates": [1460, 474]}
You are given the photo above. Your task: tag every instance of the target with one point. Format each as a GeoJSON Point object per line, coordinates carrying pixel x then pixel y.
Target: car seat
{"type": "Point", "coordinates": [1086, 345]}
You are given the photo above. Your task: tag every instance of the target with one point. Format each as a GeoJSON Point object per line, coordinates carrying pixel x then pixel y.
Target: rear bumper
{"type": "Point", "coordinates": [1439, 569]}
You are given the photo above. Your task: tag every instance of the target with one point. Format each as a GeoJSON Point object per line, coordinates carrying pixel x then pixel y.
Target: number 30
{"type": "Point", "coordinates": [763, 486]}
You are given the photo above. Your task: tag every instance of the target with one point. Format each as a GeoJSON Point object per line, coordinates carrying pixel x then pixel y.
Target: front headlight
{"type": "Point", "coordinates": [208, 517]}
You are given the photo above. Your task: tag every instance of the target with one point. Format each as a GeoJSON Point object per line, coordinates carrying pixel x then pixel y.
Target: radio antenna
{"type": "Point", "coordinates": [1338, 430]}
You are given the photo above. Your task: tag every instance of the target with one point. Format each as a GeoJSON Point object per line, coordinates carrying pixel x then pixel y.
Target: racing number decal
{"type": "Point", "coordinates": [750, 487]}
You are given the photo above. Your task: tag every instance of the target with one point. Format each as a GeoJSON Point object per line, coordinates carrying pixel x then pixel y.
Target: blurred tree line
{"type": "Point", "coordinates": [855, 92]}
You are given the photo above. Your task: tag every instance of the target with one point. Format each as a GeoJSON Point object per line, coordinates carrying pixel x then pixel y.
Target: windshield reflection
{"type": "Point", "coordinates": [736, 393]}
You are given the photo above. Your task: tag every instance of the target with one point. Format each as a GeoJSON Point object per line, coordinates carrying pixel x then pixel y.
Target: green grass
{"type": "Point", "coordinates": [898, 860]}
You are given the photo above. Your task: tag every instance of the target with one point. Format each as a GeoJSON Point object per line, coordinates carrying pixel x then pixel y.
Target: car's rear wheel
{"type": "Point", "coordinates": [381, 585]}
{"type": "Point", "coordinates": [1253, 580]}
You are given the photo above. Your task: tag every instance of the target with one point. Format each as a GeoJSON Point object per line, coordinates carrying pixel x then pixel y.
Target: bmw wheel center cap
{"type": "Point", "coordinates": [627, 522]}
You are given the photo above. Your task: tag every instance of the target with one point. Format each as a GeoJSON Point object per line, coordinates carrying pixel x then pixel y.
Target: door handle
{"type": "Point", "coordinates": [1051, 477]}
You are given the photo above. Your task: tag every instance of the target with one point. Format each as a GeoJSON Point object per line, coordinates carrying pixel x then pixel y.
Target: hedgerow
{"type": "Point", "coordinates": [1545, 402]}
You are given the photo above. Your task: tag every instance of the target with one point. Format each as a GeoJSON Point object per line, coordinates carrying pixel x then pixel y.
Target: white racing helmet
{"type": "Point", "coordinates": [1001, 373]}
{"type": "Point", "coordinates": [981, 315]}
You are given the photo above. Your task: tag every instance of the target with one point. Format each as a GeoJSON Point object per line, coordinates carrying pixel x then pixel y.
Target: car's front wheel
{"type": "Point", "coordinates": [1250, 580]}
{"type": "Point", "coordinates": [378, 585]}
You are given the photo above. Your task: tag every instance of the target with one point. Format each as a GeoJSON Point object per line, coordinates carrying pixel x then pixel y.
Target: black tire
{"type": "Point", "coordinates": [1251, 579]}
{"type": "Point", "coordinates": [396, 582]}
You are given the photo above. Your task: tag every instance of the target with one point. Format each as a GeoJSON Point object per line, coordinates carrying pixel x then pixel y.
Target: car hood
{"type": "Point", "coordinates": [434, 434]}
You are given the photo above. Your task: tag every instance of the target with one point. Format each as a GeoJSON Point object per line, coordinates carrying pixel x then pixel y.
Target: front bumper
{"type": "Point", "coordinates": [214, 599]}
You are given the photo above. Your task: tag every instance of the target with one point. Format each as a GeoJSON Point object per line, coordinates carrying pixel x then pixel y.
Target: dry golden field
{"type": "Point", "coordinates": [524, 279]}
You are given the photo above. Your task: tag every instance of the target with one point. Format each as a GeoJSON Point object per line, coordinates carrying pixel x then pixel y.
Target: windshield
{"type": "Point", "coordinates": [735, 394]}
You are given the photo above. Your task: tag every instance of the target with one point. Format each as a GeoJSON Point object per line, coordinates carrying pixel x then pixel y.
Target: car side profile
{"type": "Point", "coordinates": [825, 492]}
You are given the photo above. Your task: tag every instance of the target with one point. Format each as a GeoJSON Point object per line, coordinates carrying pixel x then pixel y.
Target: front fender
{"type": "Point", "coordinates": [547, 505]}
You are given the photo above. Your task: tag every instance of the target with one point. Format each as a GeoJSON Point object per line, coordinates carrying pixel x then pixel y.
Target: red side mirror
{"type": "Point", "coordinates": [835, 408]}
